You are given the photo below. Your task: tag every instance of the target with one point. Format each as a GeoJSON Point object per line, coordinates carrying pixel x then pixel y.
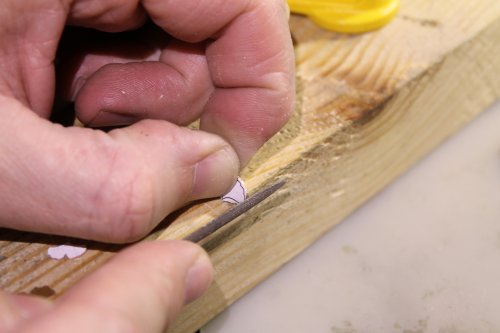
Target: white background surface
{"type": "Point", "coordinates": [421, 256]}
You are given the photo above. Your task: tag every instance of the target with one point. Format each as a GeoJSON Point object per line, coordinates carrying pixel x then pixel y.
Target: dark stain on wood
{"type": "Point", "coordinates": [421, 21]}
{"type": "Point", "coordinates": [44, 291]}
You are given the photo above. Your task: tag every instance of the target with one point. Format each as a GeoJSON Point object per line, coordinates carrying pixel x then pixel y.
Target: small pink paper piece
{"type": "Point", "coordinates": [69, 251]}
{"type": "Point", "coordinates": [237, 194]}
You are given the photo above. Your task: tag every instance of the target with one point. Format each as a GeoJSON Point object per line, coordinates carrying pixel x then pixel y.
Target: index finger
{"type": "Point", "coordinates": [250, 59]}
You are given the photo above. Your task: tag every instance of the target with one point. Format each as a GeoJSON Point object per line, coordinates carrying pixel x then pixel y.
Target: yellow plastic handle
{"type": "Point", "coordinates": [347, 16]}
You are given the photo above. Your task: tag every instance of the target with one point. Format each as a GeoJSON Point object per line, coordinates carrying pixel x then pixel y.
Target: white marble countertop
{"type": "Point", "coordinates": [421, 256]}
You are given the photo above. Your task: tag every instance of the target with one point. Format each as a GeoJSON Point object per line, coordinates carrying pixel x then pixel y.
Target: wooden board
{"type": "Point", "coordinates": [368, 107]}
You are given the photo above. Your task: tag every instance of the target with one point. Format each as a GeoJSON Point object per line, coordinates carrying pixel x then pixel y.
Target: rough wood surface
{"type": "Point", "coordinates": [368, 107]}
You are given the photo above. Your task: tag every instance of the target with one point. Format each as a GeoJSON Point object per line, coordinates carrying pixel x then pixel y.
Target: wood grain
{"type": "Point", "coordinates": [368, 107]}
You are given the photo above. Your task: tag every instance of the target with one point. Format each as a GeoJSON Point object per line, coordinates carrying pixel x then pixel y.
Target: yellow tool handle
{"type": "Point", "coordinates": [347, 16]}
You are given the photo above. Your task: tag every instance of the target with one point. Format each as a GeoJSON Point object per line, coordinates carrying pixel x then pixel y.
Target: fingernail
{"type": "Point", "coordinates": [199, 277]}
{"type": "Point", "coordinates": [215, 174]}
{"type": "Point", "coordinates": [109, 118]}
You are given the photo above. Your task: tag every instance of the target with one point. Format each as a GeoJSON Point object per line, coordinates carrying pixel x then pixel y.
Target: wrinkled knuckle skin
{"type": "Point", "coordinates": [134, 217]}
{"type": "Point", "coordinates": [123, 203]}
{"type": "Point", "coordinates": [110, 16]}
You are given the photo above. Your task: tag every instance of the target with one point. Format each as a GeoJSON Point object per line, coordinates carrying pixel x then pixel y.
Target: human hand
{"type": "Point", "coordinates": [229, 63]}
{"type": "Point", "coordinates": [139, 290]}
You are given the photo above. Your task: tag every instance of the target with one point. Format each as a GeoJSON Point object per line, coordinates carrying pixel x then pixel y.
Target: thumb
{"type": "Point", "coordinates": [114, 186]}
{"type": "Point", "coordinates": [140, 290]}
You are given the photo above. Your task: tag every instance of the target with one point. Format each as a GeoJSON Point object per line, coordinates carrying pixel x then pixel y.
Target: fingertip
{"type": "Point", "coordinates": [190, 261]}
{"type": "Point", "coordinates": [199, 276]}
{"type": "Point", "coordinates": [184, 259]}
{"type": "Point", "coordinates": [247, 117]}
{"type": "Point", "coordinates": [141, 289]}
{"type": "Point", "coordinates": [215, 174]}
{"type": "Point", "coordinates": [121, 94]}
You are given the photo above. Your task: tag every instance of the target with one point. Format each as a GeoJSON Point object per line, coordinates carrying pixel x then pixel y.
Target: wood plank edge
{"type": "Point", "coordinates": [423, 114]}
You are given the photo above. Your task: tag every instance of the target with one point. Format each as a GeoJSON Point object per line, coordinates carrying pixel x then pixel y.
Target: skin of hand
{"type": "Point", "coordinates": [228, 63]}
{"type": "Point", "coordinates": [141, 289]}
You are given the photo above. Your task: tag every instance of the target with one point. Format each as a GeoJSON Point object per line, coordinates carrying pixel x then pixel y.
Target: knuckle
{"type": "Point", "coordinates": [283, 88]}
{"type": "Point", "coordinates": [133, 214]}
{"type": "Point", "coordinates": [121, 202]}
{"type": "Point", "coordinates": [111, 16]}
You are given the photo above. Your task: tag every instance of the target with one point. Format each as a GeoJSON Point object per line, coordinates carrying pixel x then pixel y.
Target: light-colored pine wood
{"type": "Point", "coordinates": [368, 107]}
